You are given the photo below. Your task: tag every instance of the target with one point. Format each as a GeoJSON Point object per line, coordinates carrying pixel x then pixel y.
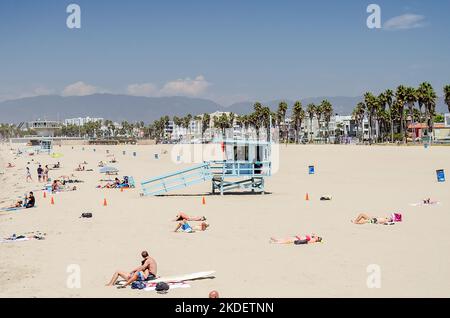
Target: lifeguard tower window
{"type": "Point", "coordinates": [240, 153]}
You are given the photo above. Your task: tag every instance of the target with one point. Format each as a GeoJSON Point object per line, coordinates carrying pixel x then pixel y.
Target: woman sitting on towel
{"type": "Point", "coordinates": [183, 216]}
{"type": "Point", "coordinates": [297, 240]}
{"type": "Point", "coordinates": [366, 219]}
{"type": "Point", "coordinates": [186, 228]}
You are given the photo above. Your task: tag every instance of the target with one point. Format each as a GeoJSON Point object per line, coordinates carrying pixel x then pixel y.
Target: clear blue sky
{"type": "Point", "coordinates": [246, 49]}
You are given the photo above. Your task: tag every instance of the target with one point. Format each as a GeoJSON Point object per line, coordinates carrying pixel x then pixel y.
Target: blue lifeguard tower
{"type": "Point", "coordinates": [244, 165]}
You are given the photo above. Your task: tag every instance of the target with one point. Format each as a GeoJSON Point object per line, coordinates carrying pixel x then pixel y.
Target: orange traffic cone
{"type": "Point", "coordinates": [52, 201]}
{"type": "Point", "coordinates": [104, 202]}
{"type": "Point", "coordinates": [307, 197]}
{"type": "Point", "coordinates": [45, 194]}
{"type": "Point", "coordinates": [203, 201]}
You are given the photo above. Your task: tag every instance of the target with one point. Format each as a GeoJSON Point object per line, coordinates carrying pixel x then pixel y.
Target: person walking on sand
{"type": "Point", "coordinates": [29, 179]}
{"type": "Point", "coordinates": [146, 271]}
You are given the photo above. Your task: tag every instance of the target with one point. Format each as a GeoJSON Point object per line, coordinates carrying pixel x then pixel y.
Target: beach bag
{"type": "Point", "coordinates": [162, 287]}
{"type": "Point", "coordinates": [396, 217]}
{"type": "Point", "coordinates": [138, 285]}
{"type": "Point", "coordinates": [86, 215]}
{"type": "Point", "coordinates": [300, 242]}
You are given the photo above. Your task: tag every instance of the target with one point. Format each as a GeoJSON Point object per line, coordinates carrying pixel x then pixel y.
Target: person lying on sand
{"type": "Point", "coordinates": [298, 239]}
{"type": "Point", "coordinates": [57, 166]}
{"type": "Point", "coordinates": [187, 228]}
{"type": "Point", "coordinates": [366, 219]}
{"type": "Point", "coordinates": [183, 216]}
{"type": "Point", "coordinates": [15, 205]}
{"type": "Point", "coordinates": [429, 201]}
{"type": "Point", "coordinates": [101, 164]}
{"type": "Point", "coordinates": [10, 165]}
{"type": "Point", "coordinates": [80, 168]}
{"type": "Point", "coordinates": [146, 271]}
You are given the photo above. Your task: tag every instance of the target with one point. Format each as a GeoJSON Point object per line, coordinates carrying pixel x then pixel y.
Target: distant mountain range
{"type": "Point", "coordinates": [147, 109]}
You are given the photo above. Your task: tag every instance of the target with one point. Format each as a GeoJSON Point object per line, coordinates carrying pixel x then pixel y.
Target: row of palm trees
{"type": "Point", "coordinates": [391, 111]}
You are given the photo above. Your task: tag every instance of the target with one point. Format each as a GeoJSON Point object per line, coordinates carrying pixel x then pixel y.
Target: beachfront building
{"type": "Point", "coordinates": [441, 131]}
{"type": "Point", "coordinates": [44, 128]}
{"type": "Point", "coordinates": [80, 121]}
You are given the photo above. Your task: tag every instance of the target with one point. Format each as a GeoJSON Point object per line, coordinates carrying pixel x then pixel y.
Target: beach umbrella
{"type": "Point", "coordinates": [56, 155]}
{"type": "Point", "coordinates": [109, 170]}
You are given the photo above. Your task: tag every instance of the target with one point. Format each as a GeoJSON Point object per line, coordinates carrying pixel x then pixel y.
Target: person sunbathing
{"type": "Point", "coordinates": [15, 205]}
{"type": "Point", "coordinates": [57, 166]}
{"type": "Point", "coordinates": [363, 218]}
{"type": "Point", "coordinates": [80, 168]}
{"type": "Point", "coordinates": [429, 201]}
{"type": "Point", "coordinates": [56, 186]}
{"type": "Point", "coordinates": [183, 216]}
{"type": "Point", "coordinates": [298, 239]}
{"type": "Point", "coordinates": [187, 228]}
{"type": "Point", "coordinates": [146, 271]}
{"type": "Point", "coordinates": [10, 165]}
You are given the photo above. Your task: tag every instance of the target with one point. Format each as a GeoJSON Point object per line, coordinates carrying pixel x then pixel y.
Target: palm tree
{"type": "Point", "coordinates": [388, 95]}
{"type": "Point", "coordinates": [410, 99]}
{"type": "Point", "coordinates": [281, 117]}
{"type": "Point", "coordinates": [381, 115]}
{"type": "Point", "coordinates": [319, 113]}
{"type": "Point", "coordinates": [371, 104]}
{"type": "Point", "coordinates": [205, 123]}
{"type": "Point", "coordinates": [298, 115]}
{"type": "Point", "coordinates": [428, 97]}
{"type": "Point", "coordinates": [400, 99]}
{"type": "Point", "coordinates": [311, 111]}
{"type": "Point", "coordinates": [358, 116]}
{"type": "Point", "coordinates": [327, 111]}
{"type": "Point", "coordinates": [447, 96]}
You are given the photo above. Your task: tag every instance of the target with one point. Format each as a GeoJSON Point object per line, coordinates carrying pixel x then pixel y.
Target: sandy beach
{"type": "Point", "coordinates": [412, 255]}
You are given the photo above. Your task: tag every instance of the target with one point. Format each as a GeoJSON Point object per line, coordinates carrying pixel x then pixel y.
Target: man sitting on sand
{"type": "Point", "coordinates": [298, 239]}
{"type": "Point", "coordinates": [183, 216]}
{"type": "Point", "coordinates": [366, 219]}
{"type": "Point", "coordinates": [30, 202]}
{"type": "Point", "coordinates": [147, 271]}
{"type": "Point", "coordinates": [187, 228]}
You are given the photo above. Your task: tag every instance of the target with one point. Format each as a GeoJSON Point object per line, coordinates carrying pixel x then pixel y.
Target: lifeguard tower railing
{"type": "Point", "coordinates": [230, 175]}
{"type": "Point", "coordinates": [177, 180]}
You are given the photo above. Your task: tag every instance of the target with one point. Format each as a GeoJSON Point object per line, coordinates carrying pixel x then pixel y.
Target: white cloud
{"type": "Point", "coordinates": [179, 87]}
{"type": "Point", "coordinates": [145, 89]}
{"type": "Point", "coordinates": [79, 89]}
{"type": "Point", "coordinates": [405, 22]}
{"type": "Point", "coordinates": [187, 86]}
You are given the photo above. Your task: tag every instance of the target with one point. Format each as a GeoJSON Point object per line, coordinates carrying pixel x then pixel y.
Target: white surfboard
{"type": "Point", "coordinates": [176, 279]}
{"type": "Point", "coordinates": [182, 278]}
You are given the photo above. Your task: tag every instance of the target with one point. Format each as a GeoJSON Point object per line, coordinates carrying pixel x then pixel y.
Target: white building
{"type": "Point", "coordinates": [80, 121]}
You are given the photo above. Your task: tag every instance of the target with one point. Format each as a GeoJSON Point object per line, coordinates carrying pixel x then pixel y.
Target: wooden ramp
{"type": "Point", "coordinates": [177, 180]}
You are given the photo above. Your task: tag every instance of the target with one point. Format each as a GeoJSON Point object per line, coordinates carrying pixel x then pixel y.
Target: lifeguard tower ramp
{"type": "Point", "coordinates": [177, 180]}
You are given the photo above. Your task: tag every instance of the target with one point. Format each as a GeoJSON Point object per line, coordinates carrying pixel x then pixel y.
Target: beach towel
{"type": "Point", "coordinates": [432, 203]}
{"type": "Point", "coordinates": [14, 240]}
